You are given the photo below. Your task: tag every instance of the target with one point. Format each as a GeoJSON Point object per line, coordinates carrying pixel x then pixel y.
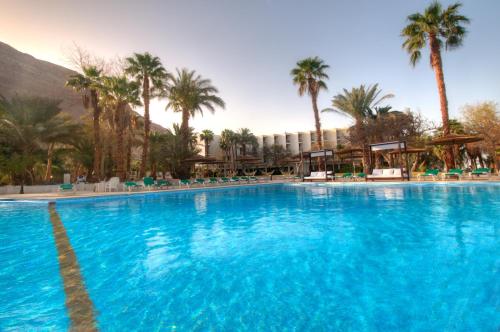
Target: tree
{"type": "Point", "coordinates": [189, 94]}
{"type": "Point", "coordinates": [310, 75]}
{"type": "Point", "coordinates": [207, 136]}
{"type": "Point", "coordinates": [150, 75]}
{"type": "Point", "coordinates": [227, 143]}
{"type": "Point", "coordinates": [484, 119]}
{"type": "Point", "coordinates": [361, 104]}
{"type": "Point", "coordinates": [119, 95]}
{"type": "Point", "coordinates": [244, 138]}
{"type": "Point", "coordinates": [26, 125]}
{"type": "Point", "coordinates": [89, 83]}
{"type": "Point", "coordinates": [175, 154]}
{"type": "Point", "coordinates": [438, 28]}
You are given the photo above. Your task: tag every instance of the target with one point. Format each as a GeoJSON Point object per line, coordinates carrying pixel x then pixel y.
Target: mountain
{"type": "Point", "coordinates": [23, 74]}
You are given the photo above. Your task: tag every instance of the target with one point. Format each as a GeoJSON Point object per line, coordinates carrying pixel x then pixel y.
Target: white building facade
{"type": "Point", "coordinates": [294, 143]}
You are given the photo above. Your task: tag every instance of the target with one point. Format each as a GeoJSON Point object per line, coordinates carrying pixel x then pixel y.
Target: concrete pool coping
{"type": "Point", "coordinates": [56, 196]}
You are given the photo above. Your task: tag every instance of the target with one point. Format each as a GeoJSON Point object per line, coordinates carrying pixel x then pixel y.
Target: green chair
{"type": "Point", "coordinates": [245, 178]}
{"type": "Point", "coordinates": [149, 182]}
{"type": "Point", "coordinates": [185, 182]}
{"type": "Point", "coordinates": [346, 176]}
{"type": "Point", "coordinates": [199, 181]}
{"type": "Point", "coordinates": [212, 181]}
{"type": "Point", "coordinates": [163, 183]}
{"type": "Point", "coordinates": [66, 187]}
{"type": "Point", "coordinates": [224, 180]}
{"type": "Point", "coordinates": [234, 179]}
{"type": "Point", "coordinates": [481, 171]}
{"type": "Point", "coordinates": [131, 185]}
{"type": "Point", "coordinates": [430, 173]}
{"type": "Point", "coordinates": [360, 175]}
{"type": "Point", "coordinates": [454, 172]}
{"type": "Point", "coordinates": [252, 179]}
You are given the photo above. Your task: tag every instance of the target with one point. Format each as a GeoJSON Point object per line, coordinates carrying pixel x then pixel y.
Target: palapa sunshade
{"type": "Point", "coordinates": [248, 158]}
{"type": "Point", "coordinates": [411, 150]}
{"type": "Point", "coordinates": [349, 151]}
{"type": "Point", "coordinates": [200, 160]}
{"type": "Point", "coordinates": [454, 139]}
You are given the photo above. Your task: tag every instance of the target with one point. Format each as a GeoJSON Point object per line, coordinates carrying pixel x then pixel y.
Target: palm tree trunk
{"type": "Point", "coordinates": [97, 134]}
{"type": "Point", "coordinates": [317, 121]}
{"type": "Point", "coordinates": [120, 151]}
{"type": "Point", "coordinates": [50, 152]}
{"type": "Point", "coordinates": [437, 65]}
{"type": "Point", "coordinates": [185, 130]}
{"type": "Point", "coordinates": [206, 148]}
{"type": "Point", "coordinates": [147, 124]}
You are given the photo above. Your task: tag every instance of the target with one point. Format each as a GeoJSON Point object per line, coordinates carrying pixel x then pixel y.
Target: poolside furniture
{"type": "Point", "coordinates": [253, 179]}
{"type": "Point", "coordinates": [185, 182]}
{"type": "Point", "coordinates": [163, 183]}
{"type": "Point", "coordinates": [234, 179]}
{"type": "Point", "coordinates": [224, 180]}
{"type": "Point", "coordinates": [481, 171]}
{"type": "Point", "coordinates": [360, 175]}
{"type": "Point", "coordinates": [213, 181]}
{"type": "Point", "coordinates": [318, 176]}
{"type": "Point", "coordinates": [66, 187]}
{"type": "Point", "coordinates": [81, 179]}
{"type": "Point", "coordinates": [199, 181]}
{"type": "Point", "coordinates": [430, 173]}
{"type": "Point", "coordinates": [130, 185]}
{"type": "Point", "coordinates": [385, 174]}
{"type": "Point", "coordinates": [112, 184]}
{"type": "Point", "coordinates": [149, 182]}
{"type": "Point", "coordinates": [454, 172]}
{"type": "Point", "coordinates": [346, 176]}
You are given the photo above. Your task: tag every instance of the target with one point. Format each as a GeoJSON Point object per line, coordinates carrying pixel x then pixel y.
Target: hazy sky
{"type": "Point", "coordinates": [248, 47]}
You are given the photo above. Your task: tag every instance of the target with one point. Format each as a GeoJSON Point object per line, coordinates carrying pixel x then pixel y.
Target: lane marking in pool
{"type": "Point", "coordinates": [78, 302]}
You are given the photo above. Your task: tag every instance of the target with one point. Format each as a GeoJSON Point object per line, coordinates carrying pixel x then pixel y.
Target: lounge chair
{"type": "Point", "coordinates": [385, 174]}
{"type": "Point", "coordinates": [149, 182]}
{"type": "Point", "coordinates": [199, 181]}
{"type": "Point", "coordinates": [234, 179]}
{"type": "Point", "coordinates": [112, 184]}
{"type": "Point", "coordinates": [213, 181]}
{"type": "Point", "coordinates": [163, 183]}
{"type": "Point", "coordinates": [66, 187]}
{"type": "Point", "coordinates": [454, 172]}
{"type": "Point", "coordinates": [224, 180]}
{"type": "Point", "coordinates": [345, 176]}
{"type": "Point", "coordinates": [360, 175]}
{"type": "Point", "coordinates": [430, 173]}
{"type": "Point", "coordinates": [185, 182]}
{"type": "Point", "coordinates": [481, 171]}
{"type": "Point", "coordinates": [130, 185]}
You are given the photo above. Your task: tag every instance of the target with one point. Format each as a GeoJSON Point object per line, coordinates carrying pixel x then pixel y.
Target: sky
{"type": "Point", "coordinates": [247, 48]}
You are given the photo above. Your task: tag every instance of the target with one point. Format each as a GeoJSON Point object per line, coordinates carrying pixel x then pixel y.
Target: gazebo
{"type": "Point", "coordinates": [399, 147]}
{"type": "Point", "coordinates": [322, 155]}
{"type": "Point", "coordinates": [455, 139]}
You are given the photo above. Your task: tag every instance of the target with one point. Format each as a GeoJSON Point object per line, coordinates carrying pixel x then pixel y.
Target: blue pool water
{"type": "Point", "coordinates": [305, 257]}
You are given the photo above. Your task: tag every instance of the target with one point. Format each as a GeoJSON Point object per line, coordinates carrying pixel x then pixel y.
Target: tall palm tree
{"type": "Point", "coordinates": [436, 27]}
{"type": "Point", "coordinates": [119, 94]}
{"type": "Point", "coordinates": [149, 73]}
{"type": "Point", "coordinates": [207, 136]}
{"type": "Point", "coordinates": [89, 83]}
{"type": "Point", "coordinates": [245, 138]}
{"type": "Point", "coordinates": [310, 75]}
{"type": "Point", "coordinates": [360, 104]}
{"type": "Point", "coordinates": [189, 94]}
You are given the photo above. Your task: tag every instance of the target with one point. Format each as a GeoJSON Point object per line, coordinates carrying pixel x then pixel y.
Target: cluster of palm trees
{"type": "Point", "coordinates": [143, 79]}
{"type": "Point", "coordinates": [238, 143]}
{"type": "Point", "coordinates": [436, 27]}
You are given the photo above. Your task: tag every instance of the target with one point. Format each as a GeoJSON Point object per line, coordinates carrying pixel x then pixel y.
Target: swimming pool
{"type": "Point", "coordinates": [287, 257]}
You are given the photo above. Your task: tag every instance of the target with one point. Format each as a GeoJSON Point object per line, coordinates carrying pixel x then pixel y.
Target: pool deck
{"type": "Point", "coordinates": [54, 196]}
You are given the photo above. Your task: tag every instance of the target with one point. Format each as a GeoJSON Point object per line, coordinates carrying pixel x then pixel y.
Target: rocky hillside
{"type": "Point", "coordinates": [22, 74]}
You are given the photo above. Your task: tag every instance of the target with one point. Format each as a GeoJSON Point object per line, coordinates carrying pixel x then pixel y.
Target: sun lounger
{"type": "Point", "coordinates": [213, 181]}
{"type": "Point", "coordinates": [224, 180]}
{"type": "Point", "coordinates": [234, 179]}
{"type": "Point", "coordinates": [66, 187]}
{"type": "Point", "coordinates": [359, 176]}
{"type": "Point", "coordinates": [130, 185]}
{"type": "Point", "coordinates": [112, 184]}
{"type": "Point", "coordinates": [430, 173]}
{"type": "Point", "coordinates": [185, 182]}
{"type": "Point", "coordinates": [318, 176]}
{"type": "Point", "coordinates": [199, 181]}
{"type": "Point", "coordinates": [454, 172]}
{"type": "Point", "coordinates": [163, 183]}
{"type": "Point", "coordinates": [149, 182]}
{"type": "Point", "coordinates": [481, 171]}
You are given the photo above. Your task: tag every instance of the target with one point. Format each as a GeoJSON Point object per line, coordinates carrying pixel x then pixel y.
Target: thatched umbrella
{"type": "Point", "coordinates": [454, 140]}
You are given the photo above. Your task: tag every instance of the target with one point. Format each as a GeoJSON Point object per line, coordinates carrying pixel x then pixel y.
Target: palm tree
{"type": "Point", "coordinates": [89, 83]}
{"type": "Point", "coordinates": [227, 143]}
{"type": "Point", "coordinates": [189, 94]}
{"type": "Point", "coordinates": [360, 104]}
{"type": "Point", "coordinates": [27, 124]}
{"type": "Point", "coordinates": [207, 136]}
{"type": "Point", "coordinates": [310, 75]}
{"type": "Point", "coordinates": [151, 76]}
{"type": "Point", "coordinates": [245, 137]}
{"type": "Point", "coordinates": [438, 27]}
{"type": "Point", "coordinates": [119, 95]}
